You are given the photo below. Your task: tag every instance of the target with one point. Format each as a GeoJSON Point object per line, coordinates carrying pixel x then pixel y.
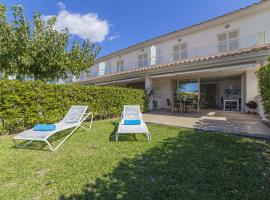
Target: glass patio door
{"type": "Point", "coordinates": [188, 93]}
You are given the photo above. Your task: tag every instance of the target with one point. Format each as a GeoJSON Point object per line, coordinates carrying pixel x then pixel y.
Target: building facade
{"type": "Point", "coordinates": [212, 64]}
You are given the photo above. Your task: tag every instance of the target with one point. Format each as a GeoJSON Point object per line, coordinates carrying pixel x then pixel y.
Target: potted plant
{"type": "Point", "coordinates": [151, 94]}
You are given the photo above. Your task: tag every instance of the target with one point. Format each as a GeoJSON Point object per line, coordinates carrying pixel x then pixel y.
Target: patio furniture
{"type": "Point", "coordinates": [231, 104]}
{"type": "Point", "coordinates": [169, 102]}
{"type": "Point", "coordinates": [176, 107]}
{"type": "Point", "coordinates": [73, 119]}
{"type": "Point", "coordinates": [240, 104]}
{"type": "Point", "coordinates": [222, 102]}
{"type": "Point", "coordinates": [188, 105]}
{"type": "Point", "coordinates": [132, 122]}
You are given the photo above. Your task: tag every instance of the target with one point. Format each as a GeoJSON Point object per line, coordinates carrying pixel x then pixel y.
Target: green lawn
{"type": "Point", "coordinates": [177, 164]}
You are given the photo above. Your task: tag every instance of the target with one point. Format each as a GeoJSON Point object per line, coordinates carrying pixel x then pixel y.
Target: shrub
{"type": "Point", "coordinates": [264, 84]}
{"type": "Point", "coordinates": [23, 104]}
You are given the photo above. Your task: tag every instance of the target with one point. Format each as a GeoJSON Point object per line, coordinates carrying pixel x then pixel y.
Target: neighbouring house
{"type": "Point", "coordinates": [213, 64]}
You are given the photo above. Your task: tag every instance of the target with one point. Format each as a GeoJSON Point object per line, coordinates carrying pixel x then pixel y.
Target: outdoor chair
{"type": "Point", "coordinates": [176, 107]}
{"type": "Point", "coordinates": [73, 120]}
{"type": "Point", "coordinates": [132, 122]}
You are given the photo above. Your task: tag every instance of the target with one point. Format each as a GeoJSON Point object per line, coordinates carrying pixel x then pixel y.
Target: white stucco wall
{"type": "Point", "coordinates": [163, 91]}
{"type": "Point", "coordinates": [204, 39]}
{"type": "Point", "coordinates": [129, 59]}
{"type": "Point", "coordinates": [252, 91]}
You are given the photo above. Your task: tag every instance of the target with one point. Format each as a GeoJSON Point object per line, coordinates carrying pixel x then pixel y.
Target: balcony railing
{"type": "Point", "coordinates": [195, 52]}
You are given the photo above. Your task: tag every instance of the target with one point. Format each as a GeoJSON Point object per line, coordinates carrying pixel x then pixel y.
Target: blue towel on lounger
{"type": "Point", "coordinates": [132, 122]}
{"type": "Point", "coordinates": [44, 127]}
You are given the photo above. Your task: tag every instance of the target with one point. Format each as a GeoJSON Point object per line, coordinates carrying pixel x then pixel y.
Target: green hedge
{"type": "Point", "coordinates": [23, 104]}
{"type": "Point", "coordinates": [264, 84]}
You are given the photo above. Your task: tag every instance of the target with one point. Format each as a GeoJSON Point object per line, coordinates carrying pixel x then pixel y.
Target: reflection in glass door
{"type": "Point", "coordinates": [187, 92]}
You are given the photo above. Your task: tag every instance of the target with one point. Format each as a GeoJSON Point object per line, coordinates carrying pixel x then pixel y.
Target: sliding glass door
{"type": "Point", "coordinates": [187, 92]}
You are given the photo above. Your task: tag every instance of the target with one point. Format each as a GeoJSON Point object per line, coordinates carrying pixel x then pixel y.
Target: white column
{"type": "Point", "coordinates": [243, 97]}
{"type": "Point", "coordinates": [251, 85]}
{"type": "Point", "coordinates": [153, 55]}
{"type": "Point", "coordinates": [148, 87]}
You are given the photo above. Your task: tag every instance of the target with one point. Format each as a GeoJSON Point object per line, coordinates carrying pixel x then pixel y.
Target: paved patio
{"type": "Point", "coordinates": [249, 125]}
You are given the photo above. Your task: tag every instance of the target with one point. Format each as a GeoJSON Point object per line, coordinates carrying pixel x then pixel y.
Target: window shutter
{"type": "Point", "coordinates": [228, 41]}
{"type": "Point", "coordinates": [222, 42]}
{"type": "Point", "coordinates": [176, 48]}
{"type": "Point", "coordinates": [184, 52]}
{"type": "Point", "coordinates": [233, 34]}
{"type": "Point", "coordinates": [183, 46]}
{"type": "Point", "coordinates": [222, 37]}
{"type": "Point", "coordinates": [145, 59]}
{"type": "Point", "coordinates": [176, 52]}
{"type": "Point", "coordinates": [145, 56]}
{"type": "Point", "coordinates": [233, 40]}
{"type": "Point", "coordinates": [120, 65]}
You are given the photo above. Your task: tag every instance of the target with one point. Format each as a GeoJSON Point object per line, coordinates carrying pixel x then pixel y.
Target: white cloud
{"type": "Point", "coordinates": [113, 37]}
{"type": "Point", "coordinates": [61, 5]}
{"type": "Point", "coordinates": [86, 26]}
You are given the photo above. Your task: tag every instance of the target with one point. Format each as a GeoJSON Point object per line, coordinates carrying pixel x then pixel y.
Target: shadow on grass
{"type": "Point", "coordinates": [191, 165]}
{"type": "Point", "coordinates": [122, 137]}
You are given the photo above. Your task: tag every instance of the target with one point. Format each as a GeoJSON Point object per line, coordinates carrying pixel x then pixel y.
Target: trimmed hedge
{"type": "Point", "coordinates": [23, 104]}
{"type": "Point", "coordinates": [264, 84]}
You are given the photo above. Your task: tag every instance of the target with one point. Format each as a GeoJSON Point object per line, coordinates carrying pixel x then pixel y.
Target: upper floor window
{"type": "Point", "coordinates": [108, 68]}
{"type": "Point", "coordinates": [180, 51]}
{"type": "Point", "coordinates": [228, 41]}
{"type": "Point", "coordinates": [142, 60]}
{"type": "Point", "coordinates": [120, 65]}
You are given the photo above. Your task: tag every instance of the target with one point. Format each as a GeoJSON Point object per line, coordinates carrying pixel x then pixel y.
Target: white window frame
{"type": "Point", "coordinates": [228, 44]}
{"type": "Point", "coordinates": [108, 68]}
{"type": "Point", "coordinates": [120, 65]}
{"type": "Point", "coordinates": [181, 53]}
{"type": "Point", "coordinates": [143, 61]}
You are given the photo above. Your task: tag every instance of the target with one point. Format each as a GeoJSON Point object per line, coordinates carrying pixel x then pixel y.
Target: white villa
{"type": "Point", "coordinates": [212, 64]}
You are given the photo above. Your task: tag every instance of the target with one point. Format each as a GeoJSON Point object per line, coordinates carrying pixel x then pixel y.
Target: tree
{"type": "Point", "coordinates": [7, 44]}
{"type": "Point", "coordinates": [264, 86]}
{"type": "Point", "coordinates": [36, 49]}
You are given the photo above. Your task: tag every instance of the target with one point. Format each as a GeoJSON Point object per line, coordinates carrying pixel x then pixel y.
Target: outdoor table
{"type": "Point", "coordinates": [230, 101]}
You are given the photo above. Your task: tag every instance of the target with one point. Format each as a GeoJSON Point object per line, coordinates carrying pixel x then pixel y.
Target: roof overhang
{"type": "Point", "coordinates": [208, 70]}
{"type": "Point", "coordinates": [120, 81]}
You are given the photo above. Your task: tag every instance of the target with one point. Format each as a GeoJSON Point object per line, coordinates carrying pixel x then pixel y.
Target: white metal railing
{"type": "Point", "coordinates": [195, 52]}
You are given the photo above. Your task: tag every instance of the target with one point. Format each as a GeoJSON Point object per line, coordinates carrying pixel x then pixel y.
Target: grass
{"type": "Point", "coordinates": [177, 164]}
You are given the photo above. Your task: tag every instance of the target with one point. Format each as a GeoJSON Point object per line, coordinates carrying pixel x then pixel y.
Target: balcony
{"type": "Point", "coordinates": [195, 52]}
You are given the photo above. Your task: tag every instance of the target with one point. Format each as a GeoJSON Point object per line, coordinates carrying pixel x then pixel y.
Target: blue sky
{"type": "Point", "coordinates": [116, 24]}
